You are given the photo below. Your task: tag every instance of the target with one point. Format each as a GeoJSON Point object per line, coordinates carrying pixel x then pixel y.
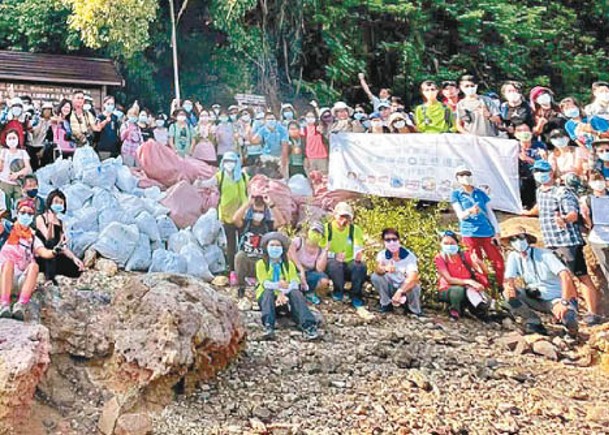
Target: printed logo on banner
{"type": "Point", "coordinates": [422, 166]}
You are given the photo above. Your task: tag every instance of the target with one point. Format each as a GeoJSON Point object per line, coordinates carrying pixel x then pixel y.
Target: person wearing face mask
{"type": "Point", "coordinates": [515, 111]}
{"type": "Point", "coordinates": [297, 157]}
{"type": "Point", "coordinates": [477, 220]}
{"type": "Point", "coordinates": [559, 217]}
{"type": "Point", "coordinates": [82, 122]}
{"type": "Point", "coordinates": [600, 101]}
{"type": "Point", "coordinates": [601, 152]}
{"type": "Point", "coordinates": [10, 180]}
{"type": "Point", "coordinates": [566, 160]}
{"type": "Point", "coordinates": [88, 105]}
{"type": "Point", "coordinates": [278, 288]}
{"type": "Point", "coordinates": [529, 153]}
{"type": "Point", "coordinates": [288, 114]}
{"type": "Point", "coordinates": [50, 231]}
{"type": "Point", "coordinates": [451, 97]}
{"type": "Point", "coordinates": [311, 261]}
{"type": "Point", "coordinates": [233, 113]}
{"type": "Point", "coordinates": [254, 219]}
{"type": "Point", "coordinates": [376, 124]}
{"type": "Point", "coordinates": [546, 114]}
{"type": "Point", "coordinates": [18, 267]}
{"type": "Point", "coordinates": [231, 182]}
{"type": "Point", "coordinates": [205, 149]}
{"type": "Point", "coordinates": [596, 221]}
{"type": "Point", "coordinates": [17, 120]}
{"type": "Point", "coordinates": [273, 137]}
{"type": "Point", "coordinates": [548, 286]}
{"type": "Point", "coordinates": [342, 119]}
{"type": "Point", "coordinates": [396, 277]}
{"type": "Point", "coordinates": [181, 134]}
{"type": "Point", "coordinates": [400, 123]}
{"type": "Point", "coordinates": [344, 241]}
{"type": "Point", "coordinates": [160, 132]}
{"type": "Point", "coordinates": [316, 149]}
{"type": "Point", "coordinates": [109, 143]}
{"type": "Point", "coordinates": [131, 137]}
{"type": "Point", "coordinates": [476, 114]}
{"type": "Point", "coordinates": [30, 190]}
{"type": "Point", "coordinates": [432, 116]}
{"type": "Point", "coordinates": [143, 122]}
{"type": "Point", "coordinates": [41, 136]}
{"type": "Point", "coordinates": [243, 132]}
{"type": "Point", "coordinates": [224, 135]}
{"type": "Point", "coordinates": [191, 113]}
{"type": "Point", "coordinates": [462, 278]}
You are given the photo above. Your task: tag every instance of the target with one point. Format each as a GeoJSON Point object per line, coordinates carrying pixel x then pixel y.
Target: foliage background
{"type": "Point", "coordinates": [300, 49]}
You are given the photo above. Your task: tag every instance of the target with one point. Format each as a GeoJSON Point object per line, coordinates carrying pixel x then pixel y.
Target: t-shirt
{"type": "Point", "coordinates": [540, 273]}
{"type": "Point", "coordinates": [296, 152]}
{"type": "Point", "coordinates": [233, 196]}
{"type": "Point", "coordinates": [182, 137]}
{"type": "Point", "coordinates": [341, 243]}
{"type": "Point", "coordinates": [404, 266]}
{"type": "Point", "coordinates": [307, 260]}
{"type": "Point", "coordinates": [455, 267]}
{"type": "Point", "coordinates": [7, 158]}
{"type": "Point", "coordinates": [478, 225]}
{"type": "Point", "coordinates": [109, 136]}
{"type": "Point", "coordinates": [272, 140]}
{"type": "Point", "coordinates": [251, 237]}
{"type": "Point", "coordinates": [472, 112]}
{"type": "Point", "coordinates": [20, 254]}
{"type": "Point", "coordinates": [433, 118]}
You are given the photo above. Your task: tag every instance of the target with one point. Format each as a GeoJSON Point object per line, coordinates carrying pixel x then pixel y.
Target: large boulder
{"type": "Point", "coordinates": [137, 340]}
{"type": "Point", "coordinates": [24, 358]}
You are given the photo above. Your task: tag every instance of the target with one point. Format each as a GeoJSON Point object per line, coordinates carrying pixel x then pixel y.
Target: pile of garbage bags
{"type": "Point", "coordinates": [140, 229]}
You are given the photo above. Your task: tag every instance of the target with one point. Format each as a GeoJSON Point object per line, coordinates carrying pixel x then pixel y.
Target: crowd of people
{"type": "Point", "coordinates": [563, 167]}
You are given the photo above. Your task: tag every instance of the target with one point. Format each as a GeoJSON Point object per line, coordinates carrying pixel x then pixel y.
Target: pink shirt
{"type": "Point", "coordinates": [308, 260]}
{"type": "Point", "coordinates": [315, 148]}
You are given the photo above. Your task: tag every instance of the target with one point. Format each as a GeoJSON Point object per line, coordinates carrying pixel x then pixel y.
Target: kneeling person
{"type": "Point", "coordinates": [396, 277]}
{"type": "Point", "coordinates": [278, 288]}
{"type": "Point", "coordinates": [17, 263]}
{"type": "Point", "coordinates": [548, 284]}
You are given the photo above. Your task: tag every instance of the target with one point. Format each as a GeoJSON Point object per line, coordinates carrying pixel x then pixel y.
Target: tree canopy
{"type": "Point", "coordinates": [315, 48]}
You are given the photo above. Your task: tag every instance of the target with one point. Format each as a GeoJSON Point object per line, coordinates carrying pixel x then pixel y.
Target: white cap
{"type": "Point", "coordinates": [16, 102]}
{"type": "Point", "coordinates": [343, 209]}
{"type": "Point", "coordinates": [461, 169]}
{"type": "Point", "coordinates": [47, 105]}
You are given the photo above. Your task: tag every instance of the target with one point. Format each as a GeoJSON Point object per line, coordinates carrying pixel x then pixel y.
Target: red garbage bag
{"type": "Point", "coordinates": [163, 164]}
{"type": "Point", "coordinates": [185, 202]}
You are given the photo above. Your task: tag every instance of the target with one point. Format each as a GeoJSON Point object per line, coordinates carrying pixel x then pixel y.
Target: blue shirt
{"type": "Point", "coordinates": [541, 272]}
{"type": "Point", "coordinates": [272, 140]}
{"type": "Point", "coordinates": [478, 225]}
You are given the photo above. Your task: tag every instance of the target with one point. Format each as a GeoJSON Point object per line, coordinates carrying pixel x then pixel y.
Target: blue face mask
{"type": "Point", "coordinates": [288, 115]}
{"type": "Point", "coordinates": [542, 177]}
{"type": "Point", "coordinates": [358, 116]}
{"type": "Point", "coordinates": [271, 123]}
{"type": "Point", "coordinates": [275, 252]}
{"type": "Point", "coordinates": [520, 245]}
{"type": "Point", "coordinates": [109, 108]}
{"type": "Point", "coordinates": [450, 249]}
{"type": "Point", "coordinates": [25, 219]}
{"type": "Point", "coordinates": [188, 107]}
{"type": "Point", "coordinates": [57, 208]}
{"type": "Point", "coordinates": [118, 114]}
{"type": "Point", "coordinates": [133, 119]}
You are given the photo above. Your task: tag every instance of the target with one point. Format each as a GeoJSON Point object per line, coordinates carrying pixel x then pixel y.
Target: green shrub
{"type": "Point", "coordinates": [418, 230]}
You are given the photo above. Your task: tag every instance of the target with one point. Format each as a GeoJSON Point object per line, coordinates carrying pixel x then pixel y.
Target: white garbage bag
{"type": "Point", "coordinates": [196, 263]}
{"type": "Point", "coordinates": [166, 227]}
{"type": "Point", "coordinates": [168, 262]}
{"type": "Point", "coordinates": [61, 173]}
{"type": "Point", "coordinates": [125, 180]}
{"type": "Point", "coordinates": [141, 258]}
{"type": "Point", "coordinates": [147, 225]}
{"type": "Point", "coordinates": [180, 239]}
{"type": "Point", "coordinates": [215, 259]}
{"type": "Point", "coordinates": [79, 241]}
{"type": "Point", "coordinates": [103, 199]}
{"type": "Point", "coordinates": [84, 158]}
{"type": "Point", "coordinates": [77, 196]}
{"type": "Point", "coordinates": [109, 215]}
{"type": "Point", "coordinates": [300, 185]}
{"type": "Point", "coordinates": [83, 220]}
{"type": "Point", "coordinates": [117, 242]}
{"type": "Point", "coordinates": [207, 228]}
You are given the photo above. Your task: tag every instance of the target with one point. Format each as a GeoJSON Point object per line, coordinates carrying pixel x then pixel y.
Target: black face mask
{"type": "Point", "coordinates": [32, 193]}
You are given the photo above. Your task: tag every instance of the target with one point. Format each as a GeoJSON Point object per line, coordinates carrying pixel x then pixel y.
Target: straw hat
{"type": "Point", "coordinates": [517, 231]}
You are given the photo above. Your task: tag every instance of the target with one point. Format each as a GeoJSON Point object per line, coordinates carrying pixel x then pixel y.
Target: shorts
{"type": "Point", "coordinates": [573, 257]}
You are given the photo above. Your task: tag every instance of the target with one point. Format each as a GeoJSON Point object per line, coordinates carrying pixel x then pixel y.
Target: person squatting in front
{"type": "Point", "coordinates": [396, 277]}
{"type": "Point", "coordinates": [278, 288]}
{"type": "Point", "coordinates": [17, 261]}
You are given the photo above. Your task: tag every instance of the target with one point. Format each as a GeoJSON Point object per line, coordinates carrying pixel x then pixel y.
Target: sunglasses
{"type": "Point", "coordinates": [469, 86]}
{"type": "Point", "coordinates": [520, 237]}
{"type": "Point", "coordinates": [27, 212]}
{"type": "Point", "coordinates": [391, 239]}
{"type": "Point", "coordinates": [467, 174]}
{"type": "Point", "coordinates": [539, 170]}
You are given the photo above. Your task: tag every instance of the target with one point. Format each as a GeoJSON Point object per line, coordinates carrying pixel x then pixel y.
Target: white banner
{"type": "Point", "coordinates": [423, 166]}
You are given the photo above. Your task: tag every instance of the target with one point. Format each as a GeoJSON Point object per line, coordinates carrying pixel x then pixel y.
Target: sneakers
{"type": "Point", "coordinates": [337, 296]}
{"type": "Point", "coordinates": [5, 311]}
{"type": "Point", "coordinates": [385, 308]}
{"type": "Point", "coordinates": [454, 314]}
{"type": "Point", "coordinates": [592, 319]}
{"type": "Point", "coordinates": [19, 311]}
{"type": "Point", "coordinates": [535, 328]}
{"type": "Point", "coordinates": [269, 332]}
{"type": "Point", "coordinates": [313, 298]}
{"type": "Point", "coordinates": [357, 302]}
{"type": "Point", "coordinates": [311, 333]}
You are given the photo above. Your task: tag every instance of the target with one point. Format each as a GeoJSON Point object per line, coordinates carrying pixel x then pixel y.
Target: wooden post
{"type": "Point", "coordinates": [174, 45]}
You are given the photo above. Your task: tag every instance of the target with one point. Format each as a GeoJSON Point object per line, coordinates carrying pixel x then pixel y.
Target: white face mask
{"type": "Point", "coordinates": [229, 166]}
{"type": "Point", "coordinates": [246, 118]}
{"type": "Point", "coordinates": [520, 245]}
{"type": "Point", "coordinates": [465, 180]}
{"type": "Point", "coordinates": [310, 120]}
{"type": "Point", "coordinates": [16, 111]}
{"type": "Point", "coordinates": [544, 100]}
{"type": "Point", "coordinates": [12, 142]}
{"type": "Point", "coordinates": [86, 107]}
{"type": "Point", "coordinates": [399, 124]}
{"type": "Point", "coordinates": [598, 185]}
{"type": "Point", "coordinates": [470, 91]}
{"type": "Point", "coordinates": [560, 142]}
{"type": "Point", "coordinates": [513, 97]}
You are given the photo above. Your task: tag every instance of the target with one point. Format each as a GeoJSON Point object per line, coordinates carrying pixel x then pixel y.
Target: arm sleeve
{"type": "Point", "coordinates": [492, 218]}
{"type": "Point", "coordinates": [568, 202]}
{"type": "Point", "coordinates": [461, 214]}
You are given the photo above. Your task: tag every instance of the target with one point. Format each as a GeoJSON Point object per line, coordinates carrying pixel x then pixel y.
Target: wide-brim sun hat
{"type": "Point", "coordinates": [517, 231]}
{"type": "Point", "coordinates": [276, 235]}
{"type": "Point", "coordinates": [341, 105]}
